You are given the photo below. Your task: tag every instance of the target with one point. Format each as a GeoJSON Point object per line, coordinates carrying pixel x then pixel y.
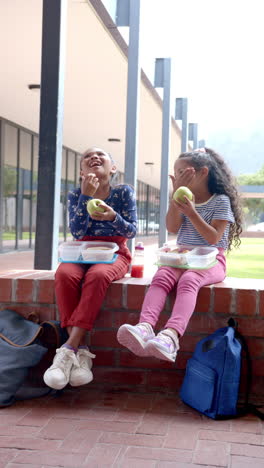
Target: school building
{"type": "Point", "coordinates": [94, 114]}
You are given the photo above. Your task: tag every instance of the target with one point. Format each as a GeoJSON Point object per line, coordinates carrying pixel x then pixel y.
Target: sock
{"type": "Point", "coordinates": [83, 347]}
{"type": "Point", "coordinates": [65, 345]}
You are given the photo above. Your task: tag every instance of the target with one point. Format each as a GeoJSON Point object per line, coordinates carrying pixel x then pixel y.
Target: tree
{"type": "Point", "coordinates": [252, 179]}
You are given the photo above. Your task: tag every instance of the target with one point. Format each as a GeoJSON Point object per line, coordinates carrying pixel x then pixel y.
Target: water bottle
{"type": "Point", "coordinates": [137, 269]}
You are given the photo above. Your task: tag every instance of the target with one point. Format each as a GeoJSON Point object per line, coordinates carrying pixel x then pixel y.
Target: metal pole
{"type": "Point", "coordinates": [165, 147]}
{"type": "Point", "coordinates": [193, 134]}
{"type": "Point", "coordinates": [2, 161]}
{"type": "Point", "coordinates": [128, 14]}
{"type": "Point", "coordinates": [181, 113]}
{"type": "Point", "coordinates": [50, 133]}
{"type": "Point", "coordinates": [201, 144]}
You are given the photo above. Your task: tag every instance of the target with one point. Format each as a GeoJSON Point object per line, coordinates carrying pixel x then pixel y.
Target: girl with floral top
{"type": "Point", "coordinates": [81, 288]}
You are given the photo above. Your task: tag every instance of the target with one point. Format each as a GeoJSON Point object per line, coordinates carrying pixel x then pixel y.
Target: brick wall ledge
{"type": "Point", "coordinates": [28, 291]}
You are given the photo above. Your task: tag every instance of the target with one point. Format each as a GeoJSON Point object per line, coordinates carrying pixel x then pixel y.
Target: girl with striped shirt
{"type": "Point", "coordinates": [212, 218]}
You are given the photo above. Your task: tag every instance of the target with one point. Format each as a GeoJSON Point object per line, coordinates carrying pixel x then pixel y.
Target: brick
{"type": "Point", "coordinates": [129, 415]}
{"type": "Point", "coordinates": [246, 301]}
{"type": "Point", "coordinates": [107, 426]}
{"type": "Point", "coordinates": [135, 295]}
{"type": "Point", "coordinates": [131, 439]}
{"type": "Point", "coordinates": [222, 300]}
{"type": "Point", "coordinates": [124, 316]}
{"type": "Point", "coordinates": [114, 296]}
{"type": "Point", "coordinates": [24, 290]}
{"type": "Point", "coordinates": [136, 462]}
{"type": "Point", "coordinates": [169, 380]}
{"type": "Point", "coordinates": [81, 441]}
{"type": "Point", "coordinates": [261, 303]}
{"type": "Point", "coordinates": [252, 327]}
{"type": "Point", "coordinates": [104, 357]}
{"type": "Point", "coordinates": [188, 342]}
{"type": "Point", "coordinates": [18, 465]}
{"type": "Point", "coordinates": [203, 299]}
{"type": "Point", "coordinates": [5, 289]}
{"type": "Point", "coordinates": [247, 450]}
{"type": "Point", "coordinates": [128, 359]}
{"type": "Point", "coordinates": [28, 443]}
{"type": "Point", "coordinates": [258, 367]}
{"type": "Point", "coordinates": [119, 376]}
{"type": "Point", "coordinates": [140, 401]}
{"type": "Point", "coordinates": [211, 453]}
{"type": "Point", "coordinates": [104, 319]}
{"type": "Point", "coordinates": [6, 455]}
{"type": "Point", "coordinates": [256, 347]}
{"type": "Point", "coordinates": [247, 425]}
{"type": "Point", "coordinates": [104, 338]}
{"type": "Point", "coordinates": [247, 462]}
{"type": "Point", "coordinates": [182, 437]}
{"type": "Point", "coordinates": [235, 437]}
{"type": "Point", "coordinates": [57, 428]}
{"type": "Point", "coordinates": [154, 423]}
{"type": "Point", "coordinates": [159, 454]}
{"type": "Point", "coordinates": [46, 291]}
{"type": "Point", "coordinates": [205, 323]}
{"type": "Point", "coordinates": [51, 458]}
{"type": "Point", "coordinates": [102, 455]}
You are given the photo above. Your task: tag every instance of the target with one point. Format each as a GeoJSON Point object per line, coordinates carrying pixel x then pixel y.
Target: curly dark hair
{"type": "Point", "coordinates": [221, 181]}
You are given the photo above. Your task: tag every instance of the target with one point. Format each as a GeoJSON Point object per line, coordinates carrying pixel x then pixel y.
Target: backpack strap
{"type": "Point", "coordinates": [247, 407]}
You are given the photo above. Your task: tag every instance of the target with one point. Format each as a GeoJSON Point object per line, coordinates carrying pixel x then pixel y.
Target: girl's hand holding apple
{"type": "Point", "coordinates": [186, 205]}
{"type": "Point", "coordinates": [100, 211]}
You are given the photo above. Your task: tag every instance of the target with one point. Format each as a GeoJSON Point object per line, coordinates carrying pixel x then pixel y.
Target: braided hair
{"type": "Point", "coordinates": [220, 181]}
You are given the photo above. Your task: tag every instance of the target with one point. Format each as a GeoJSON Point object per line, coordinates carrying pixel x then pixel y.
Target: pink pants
{"type": "Point", "coordinates": [187, 284]}
{"type": "Point", "coordinates": [80, 289]}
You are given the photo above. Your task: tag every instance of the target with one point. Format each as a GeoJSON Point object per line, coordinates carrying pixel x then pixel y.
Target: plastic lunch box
{"type": "Point", "coordinates": [97, 251]}
{"type": "Point", "coordinates": [198, 257]}
{"type": "Point", "coordinates": [71, 250]}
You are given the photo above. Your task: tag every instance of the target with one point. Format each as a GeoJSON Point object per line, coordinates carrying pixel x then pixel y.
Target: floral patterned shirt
{"type": "Point", "coordinates": [121, 199]}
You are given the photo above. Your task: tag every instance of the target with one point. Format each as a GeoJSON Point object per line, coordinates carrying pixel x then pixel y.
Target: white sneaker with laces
{"type": "Point", "coordinates": [135, 337]}
{"type": "Point", "coordinates": [82, 374]}
{"type": "Point", "coordinates": [57, 376]}
{"type": "Point", "coordinates": [164, 346]}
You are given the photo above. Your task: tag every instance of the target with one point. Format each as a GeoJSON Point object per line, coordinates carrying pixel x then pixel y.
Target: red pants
{"type": "Point", "coordinates": [80, 289]}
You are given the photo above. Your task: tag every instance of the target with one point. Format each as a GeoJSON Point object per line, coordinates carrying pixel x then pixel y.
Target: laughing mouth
{"type": "Point", "coordinates": [95, 164]}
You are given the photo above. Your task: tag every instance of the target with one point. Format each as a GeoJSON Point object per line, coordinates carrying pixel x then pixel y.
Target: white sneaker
{"type": "Point", "coordinates": [135, 337]}
{"type": "Point", "coordinates": [57, 376]}
{"type": "Point", "coordinates": [82, 374]}
{"type": "Point", "coordinates": [164, 346]}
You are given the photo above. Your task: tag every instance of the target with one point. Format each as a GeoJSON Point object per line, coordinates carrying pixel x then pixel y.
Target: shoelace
{"type": "Point", "coordinates": [86, 352]}
{"type": "Point", "coordinates": [63, 356]}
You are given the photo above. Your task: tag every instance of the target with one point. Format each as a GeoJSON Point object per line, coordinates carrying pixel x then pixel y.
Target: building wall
{"type": "Point", "coordinates": [95, 85]}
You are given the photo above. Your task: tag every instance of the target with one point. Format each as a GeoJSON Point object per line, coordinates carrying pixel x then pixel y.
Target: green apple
{"type": "Point", "coordinates": [181, 192]}
{"type": "Point", "coordinates": [93, 205]}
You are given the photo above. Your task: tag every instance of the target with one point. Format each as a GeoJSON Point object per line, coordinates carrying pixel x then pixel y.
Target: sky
{"type": "Point", "coordinates": [217, 59]}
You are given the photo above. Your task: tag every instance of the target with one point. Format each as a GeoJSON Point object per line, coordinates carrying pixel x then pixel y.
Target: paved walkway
{"type": "Point", "coordinates": [87, 428]}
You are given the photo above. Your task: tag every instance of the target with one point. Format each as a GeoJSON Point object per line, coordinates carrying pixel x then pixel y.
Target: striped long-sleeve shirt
{"type": "Point", "coordinates": [217, 207]}
{"type": "Point", "coordinates": [121, 199]}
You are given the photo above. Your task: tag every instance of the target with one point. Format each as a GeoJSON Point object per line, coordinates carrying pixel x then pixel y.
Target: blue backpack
{"type": "Point", "coordinates": [212, 378]}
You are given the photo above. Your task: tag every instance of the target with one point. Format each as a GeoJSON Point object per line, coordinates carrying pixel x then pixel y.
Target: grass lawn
{"type": "Point", "coordinates": [248, 260]}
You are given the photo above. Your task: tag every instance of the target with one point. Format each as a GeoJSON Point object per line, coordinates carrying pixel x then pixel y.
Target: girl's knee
{"type": "Point", "coordinates": [164, 278]}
